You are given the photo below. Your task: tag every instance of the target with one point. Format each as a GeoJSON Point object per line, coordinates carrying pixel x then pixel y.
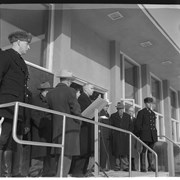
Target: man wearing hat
{"type": "Point", "coordinates": [13, 84]}
{"type": "Point", "coordinates": [63, 99]}
{"type": "Point", "coordinates": [120, 140]}
{"type": "Point", "coordinates": [40, 132]}
{"type": "Point", "coordinates": [146, 130]}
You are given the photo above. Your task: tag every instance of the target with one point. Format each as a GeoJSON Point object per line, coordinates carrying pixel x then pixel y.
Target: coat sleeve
{"type": "Point", "coordinates": [4, 64]}
{"type": "Point", "coordinates": [73, 104]}
{"type": "Point", "coordinates": [139, 121]}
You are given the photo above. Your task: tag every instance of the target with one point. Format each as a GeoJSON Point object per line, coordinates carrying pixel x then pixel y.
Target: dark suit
{"type": "Point", "coordinates": [13, 84]}
{"type": "Point", "coordinates": [120, 139]}
{"type": "Point", "coordinates": [104, 139]}
{"type": "Point", "coordinates": [80, 163]}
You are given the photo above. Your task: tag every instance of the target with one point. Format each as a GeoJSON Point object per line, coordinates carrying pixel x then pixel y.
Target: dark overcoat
{"type": "Point", "coordinates": [87, 129]}
{"type": "Point", "coordinates": [146, 125]}
{"type": "Point", "coordinates": [120, 140]}
{"type": "Point", "coordinates": [13, 81]}
{"type": "Point", "coordinates": [40, 127]}
{"type": "Point", "coordinates": [63, 98]}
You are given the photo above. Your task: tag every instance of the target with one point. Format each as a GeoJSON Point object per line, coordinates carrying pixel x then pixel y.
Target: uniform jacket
{"type": "Point", "coordinates": [63, 98]}
{"type": "Point", "coordinates": [13, 80]}
{"type": "Point", "coordinates": [146, 125]}
{"type": "Point", "coordinates": [40, 126]}
{"type": "Point", "coordinates": [120, 140]}
{"type": "Point", "coordinates": [87, 131]}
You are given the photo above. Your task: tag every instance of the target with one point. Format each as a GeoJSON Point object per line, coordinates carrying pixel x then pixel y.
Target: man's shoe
{"type": "Point", "coordinates": [126, 169]}
{"type": "Point", "coordinates": [117, 168]}
{"type": "Point", "coordinates": [151, 169]}
{"type": "Point", "coordinates": [143, 170]}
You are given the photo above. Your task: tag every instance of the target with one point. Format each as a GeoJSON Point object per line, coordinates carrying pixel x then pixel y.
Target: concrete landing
{"type": "Point", "coordinates": [112, 173]}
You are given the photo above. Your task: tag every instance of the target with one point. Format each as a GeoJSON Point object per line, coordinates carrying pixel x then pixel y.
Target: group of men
{"type": "Point", "coordinates": [47, 127]}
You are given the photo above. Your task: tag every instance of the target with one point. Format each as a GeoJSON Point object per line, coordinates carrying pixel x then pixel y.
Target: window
{"type": "Point", "coordinates": [33, 18]}
{"type": "Point", "coordinates": [131, 81]}
{"type": "Point", "coordinates": [130, 78]}
{"type": "Point", "coordinates": [173, 104]}
{"type": "Point", "coordinates": [156, 93]}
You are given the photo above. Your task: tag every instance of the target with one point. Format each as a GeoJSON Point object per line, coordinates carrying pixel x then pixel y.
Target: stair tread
{"type": "Point", "coordinates": [112, 173]}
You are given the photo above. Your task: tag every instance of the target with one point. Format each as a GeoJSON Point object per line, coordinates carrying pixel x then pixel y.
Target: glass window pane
{"type": "Point", "coordinates": [32, 18]}
{"type": "Point", "coordinates": [155, 91]}
{"type": "Point", "coordinates": [131, 81]}
{"type": "Point", "coordinates": [173, 104]}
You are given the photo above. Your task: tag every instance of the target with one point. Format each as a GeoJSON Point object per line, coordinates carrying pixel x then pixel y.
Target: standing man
{"type": "Point", "coordinates": [104, 138]}
{"type": "Point", "coordinates": [134, 142]}
{"type": "Point", "coordinates": [13, 84]}
{"type": "Point", "coordinates": [80, 163]}
{"type": "Point", "coordinates": [63, 98]}
{"type": "Point", "coordinates": [41, 132]}
{"type": "Point", "coordinates": [146, 130]}
{"type": "Point", "coordinates": [120, 140]}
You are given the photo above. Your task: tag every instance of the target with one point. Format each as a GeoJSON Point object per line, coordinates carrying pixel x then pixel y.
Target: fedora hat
{"type": "Point", "coordinates": [66, 74]}
{"type": "Point", "coordinates": [120, 105]}
{"type": "Point", "coordinates": [44, 85]}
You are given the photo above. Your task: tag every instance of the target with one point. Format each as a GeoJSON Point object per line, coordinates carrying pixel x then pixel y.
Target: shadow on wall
{"type": "Point", "coordinates": [161, 150]}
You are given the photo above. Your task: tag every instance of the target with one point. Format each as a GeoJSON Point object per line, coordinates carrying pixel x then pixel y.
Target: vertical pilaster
{"type": "Point", "coordinates": [168, 125]}
{"type": "Point", "coordinates": [62, 41]}
{"type": "Point", "coordinates": [115, 73]}
{"type": "Point", "coordinates": [145, 77]}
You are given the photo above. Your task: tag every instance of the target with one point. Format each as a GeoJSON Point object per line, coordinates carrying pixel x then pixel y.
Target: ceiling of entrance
{"type": "Point", "coordinates": [138, 25]}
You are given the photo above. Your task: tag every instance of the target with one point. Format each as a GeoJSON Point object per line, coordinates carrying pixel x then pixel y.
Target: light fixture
{"type": "Point", "coordinates": [115, 15]}
{"type": "Point", "coordinates": [146, 44]}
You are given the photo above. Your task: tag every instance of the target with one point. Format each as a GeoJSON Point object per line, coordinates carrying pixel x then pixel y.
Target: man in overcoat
{"type": "Point", "coordinates": [41, 130]}
{"type": "Point", "coordinates": [146, 130]}
{"type": "Point", "coordinates": [63, 98]}
{"type": "Point", "coordinates": [120, 140]}
{"type": "Point", "coordinates": [13, 84]}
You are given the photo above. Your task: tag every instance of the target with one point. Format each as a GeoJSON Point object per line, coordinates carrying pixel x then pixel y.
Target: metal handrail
{"type": "Point", "coordinates": [170, 140]}
{"type": "Point", "coordinates": [17, 104]}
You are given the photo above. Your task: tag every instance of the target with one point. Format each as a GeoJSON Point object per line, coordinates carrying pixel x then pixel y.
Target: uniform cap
{"type": "Point", "coordinates": [120, 105]}
{"type": "Point", "coordinates": [148, 100]}
{"type": "Point", "coordinates": [20, 35]}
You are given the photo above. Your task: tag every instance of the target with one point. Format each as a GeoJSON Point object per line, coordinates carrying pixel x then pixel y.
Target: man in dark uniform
{"type": "Point", "coordinates": [41, 132]}
{"type": "Point", "coordinates": [146, 130]}
{"type": "Point", "coordinates": [13, 84]}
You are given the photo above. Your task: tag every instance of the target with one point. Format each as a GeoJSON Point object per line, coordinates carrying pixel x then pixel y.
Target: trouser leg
{"type": "Point", "coordinates": [1, 161]}
{"type": "Point", "coordinates": [143, 162]}
{"type": "Point", "coordinates": [124, 163]}
{"type": "Point", "coordinates": [66, 165]}
{"type": "Point", "coordinates": [7, 163]}
{"type": "Point", "coordinates": [150, 161]}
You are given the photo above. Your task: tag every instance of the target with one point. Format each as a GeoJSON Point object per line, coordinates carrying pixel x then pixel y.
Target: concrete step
{"type": "Point", "coordinates": [112, 173]}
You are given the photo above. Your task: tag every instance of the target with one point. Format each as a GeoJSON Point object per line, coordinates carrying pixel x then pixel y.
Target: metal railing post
{"type": "Point", "coordinates": [62, 149]}
{"type": "Point", "coordinates": [130, 154]}
{"type": "Point", "coordinates": [96, 145]}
